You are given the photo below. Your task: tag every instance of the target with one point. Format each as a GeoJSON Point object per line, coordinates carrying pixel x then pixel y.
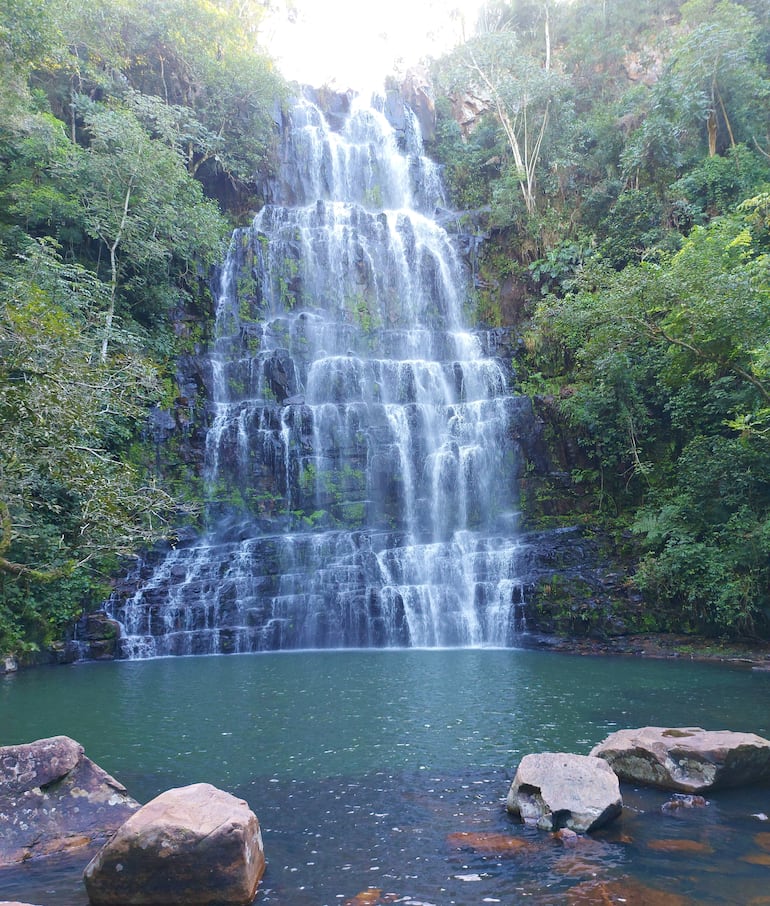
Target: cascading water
{"type": "Point", "coordinates": [359, 459]}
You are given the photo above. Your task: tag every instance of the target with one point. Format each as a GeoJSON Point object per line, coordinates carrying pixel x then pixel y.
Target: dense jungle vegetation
{"type": "Point", "coordinates": [621, 155]}
{"type": "Point", "coordinates": [617, 158]}
{"type": "Point", "coordinates": [131, 133]}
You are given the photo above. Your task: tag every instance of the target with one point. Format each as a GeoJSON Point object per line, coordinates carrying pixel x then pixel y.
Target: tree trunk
{"type": "Point", "coordinates": [525, 163]}
{"type": "Point", "coordinates": [726, 118]}
{"type": "Point", "coordinates": [712, 130]}
{"type": "Point", "coordinates": [110, 316]}
{"type": "Point", "coordinates": [113, 247]}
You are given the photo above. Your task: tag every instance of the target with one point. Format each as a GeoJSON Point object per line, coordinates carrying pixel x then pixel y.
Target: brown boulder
{"type": "Point", "coordinates": [556, 789]}
{"type": "Point", "coordinates": [417, 91]}
{"type": "Point", "coordinates": [53, 798]}
{"type": "Point", "coordinates": [468, 110]}
{"type": "Point", "coordinates": [192, 845]}
{"type": "Point", "coordinates": [687, 759]}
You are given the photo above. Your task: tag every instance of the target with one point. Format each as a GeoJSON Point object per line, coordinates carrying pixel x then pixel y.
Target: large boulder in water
{"type": "Point", "coordinates": [195, 844]}
{"type": "Point", "coordinates": [686, 759]}
{"type": "Point", "coordinates": [556, 789]}
{"type": "Point", "coordinates": [53, 798]}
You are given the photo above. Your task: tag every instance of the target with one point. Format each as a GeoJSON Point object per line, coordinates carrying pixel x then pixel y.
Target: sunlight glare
{"type": "Point", "coordinates": [356, 44]}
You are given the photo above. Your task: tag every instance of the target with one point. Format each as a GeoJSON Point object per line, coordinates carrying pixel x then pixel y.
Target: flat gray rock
{"type": "Point", "coordinates": [686, 759]}
{"type": "Point", "coordinates": [192, 845]}
{"type": "Point", "coordinates": [53, 798]}
{"type": "Point", "coordinates": [555, 789]}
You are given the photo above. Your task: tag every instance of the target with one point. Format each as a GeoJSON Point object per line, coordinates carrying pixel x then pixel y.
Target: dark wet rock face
{"type": "Point", "coordinates": [98, 636]}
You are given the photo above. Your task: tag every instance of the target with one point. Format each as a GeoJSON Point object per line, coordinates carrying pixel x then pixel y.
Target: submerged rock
{"type": "Point", "coordinates": [684, 801]}
{"type": "Point", "coordinates": [555, 789]}
{"type": "Point", "coordinates": [370, 897]}
{"type": "Point", "coordinates": [686, 759]}
{"type": "Point", "coordinates": [53, 798]}
{"type": "Point", "coordinates": [489, 843]}
{"type": "Point", "coordinates": [195, 844]}
{"type": "Point", "coordinates": [763, 841]}
{"type": "Point", "coordinates": [624, 890]}
{"type": "Point", "coordinates": [686, 847]}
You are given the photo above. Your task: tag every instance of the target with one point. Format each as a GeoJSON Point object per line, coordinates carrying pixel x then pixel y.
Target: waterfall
{"type": "Point", "coordinates": [360, 460]}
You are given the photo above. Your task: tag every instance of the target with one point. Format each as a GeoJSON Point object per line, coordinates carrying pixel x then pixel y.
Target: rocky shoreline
{"type": "Point", "coordinates": [754, 655]}
{"type": "Point", "coordinates": [200, 844]}
{"type": "Point", "coordinates": [751, 654]}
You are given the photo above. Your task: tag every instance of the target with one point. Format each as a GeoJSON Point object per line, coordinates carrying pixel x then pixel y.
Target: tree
{"type": "Point", "coordinates": [521, 90]}
{"type": "Point", "coordinates": [68, 503]}
{"type": "Point", "coordinates": [720, 59]}
{"type": "Point", "coordinates": [138, 201]}
{"type": "Point", "coordinates": [713, 87]}
{"type": "Point", "coordinates": [670, 397]}
{"type": "Point", "coordinates": [201, 59]}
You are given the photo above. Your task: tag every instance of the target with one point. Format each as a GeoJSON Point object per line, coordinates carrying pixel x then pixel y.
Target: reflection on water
{"type": "Point", "coordinates": [389, 770]}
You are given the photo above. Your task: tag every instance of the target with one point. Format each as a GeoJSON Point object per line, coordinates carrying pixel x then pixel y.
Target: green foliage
{"type": "Point", "coordinates": [708, 538]}
{"type": "Point", "coordinates": [718, 184]}
{"type": "Point", "coordinates": [137, 201]}
{"type": "Point", "coordinates": [555, 272]}
{"type": "Point", "coordinates": [217, 91]}
{"type": "Point", "coordinates": [664, 362]}
{"type": "Point", "coordinates": [577, 154]}
{"type": "Point", "coordinates": [110, 110]}
{"type": "Point", "coordinates": [68, 505]}
{"type": "Point", "coordinates": [649, 247]}
{"type": "Point", "coordinates": [634, 229]}
{"type": "Point", "coordinates": [529, 100]}
{"type": "Point", "coordinates": [470, 165]}
{"type": "Point", "coordinates": [710, 96]}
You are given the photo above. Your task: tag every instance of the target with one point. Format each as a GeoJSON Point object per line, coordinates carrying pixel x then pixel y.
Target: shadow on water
{"type": "Point", "coordinates": [387, 770]}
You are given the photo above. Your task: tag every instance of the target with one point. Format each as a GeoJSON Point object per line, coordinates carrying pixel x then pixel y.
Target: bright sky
{"type": "Point", "coordinates": [356, 43]}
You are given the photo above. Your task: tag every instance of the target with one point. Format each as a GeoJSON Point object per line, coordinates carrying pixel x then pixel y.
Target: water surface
{"type": "Point", "coordinates": [366, 768]}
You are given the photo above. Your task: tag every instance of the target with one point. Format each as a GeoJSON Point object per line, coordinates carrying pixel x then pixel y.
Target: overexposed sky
{"type": "Point", "coordinates": [356, 43]}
